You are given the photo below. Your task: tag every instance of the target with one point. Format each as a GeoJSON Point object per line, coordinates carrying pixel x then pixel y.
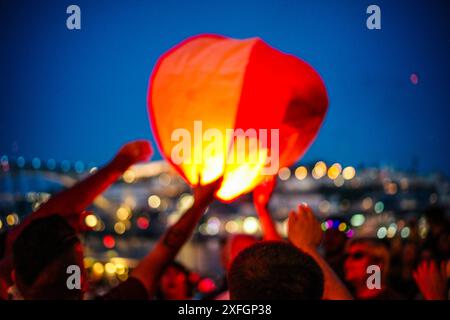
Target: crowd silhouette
{"type": "Point", "coordinates": [309, 264]}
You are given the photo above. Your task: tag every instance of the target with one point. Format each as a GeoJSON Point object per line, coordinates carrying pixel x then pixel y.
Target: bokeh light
{"type": "Point", "coordinates": [251, 225]}
{"type": "Point", "coordinates": [348, 173]}
{"type": "Point", "coordinates": [154, 201]}
{"type": "Point", "coordinates": [301, 173]}
{"type": "Point", "coordinates": [284, 173]}
{"type": "Point", "coordinates": [91, 220]}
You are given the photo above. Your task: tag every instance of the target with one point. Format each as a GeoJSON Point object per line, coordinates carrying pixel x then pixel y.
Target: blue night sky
{"type": "Point", "coordinates": [78, 95]}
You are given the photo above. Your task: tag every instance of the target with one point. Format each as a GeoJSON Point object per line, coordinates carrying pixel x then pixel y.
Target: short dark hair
{"type": "Point", "coordinates": [270, 270]}
{"type": "Point", "coordinates": [187, 273]}
{"type": "Point", "coordinates": [40, 245]}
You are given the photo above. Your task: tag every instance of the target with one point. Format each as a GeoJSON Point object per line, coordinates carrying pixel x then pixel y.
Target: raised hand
{"type": "Point", "coordinates": [134, 152]}
{"type": "Point", "coordinates": [204, 195]}
{"type": "Point", "coordinates": [304, 229]}
{"type": "Point", "coordinates": [261, 198]}
{"type": "Point", "coordinates": [432, 280]}
{"type": "Point", "coordinates": [152, 266]}
{"type": "Point", "coordinates": [305, 233]}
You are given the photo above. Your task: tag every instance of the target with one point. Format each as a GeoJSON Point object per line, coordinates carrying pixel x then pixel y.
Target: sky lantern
{"type": "Point", "coordinates": [237, 109]}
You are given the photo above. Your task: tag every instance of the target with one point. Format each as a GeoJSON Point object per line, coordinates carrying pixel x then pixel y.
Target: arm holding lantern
{"type": "Point", "coordinates": [261, 198]}
{"type": "Point", "coordinates": [150, 269]}
{"type": "Point", "coordinates": [305, 233]}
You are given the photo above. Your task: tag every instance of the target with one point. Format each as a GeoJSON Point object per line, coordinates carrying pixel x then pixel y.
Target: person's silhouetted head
{"type": "Point", "coordinates": [175, 283]}
{"type": "Point", "coordinates": [42, 253]}
{"type": "Point", "coordinates": [275, 270]}
{"type": "Point", "coordinates": [360, 254]}
{"type": "Point", "coordinates": [233, 246]}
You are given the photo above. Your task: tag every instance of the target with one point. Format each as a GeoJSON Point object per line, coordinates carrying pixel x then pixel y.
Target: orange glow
{"type": "Point", "coordinates": [334, 171]}
{"type": "Point", "coordinates": [209, 85]}
{"type": "Point", "coordinates": [301, 173]}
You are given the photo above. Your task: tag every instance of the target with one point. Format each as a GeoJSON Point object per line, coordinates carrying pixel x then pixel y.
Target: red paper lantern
{"type": "Point", "coordinates": [210, 85]}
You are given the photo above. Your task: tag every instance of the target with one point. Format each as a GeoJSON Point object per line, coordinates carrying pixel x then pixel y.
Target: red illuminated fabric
{"type": "Point", "coordinates": [228, 84]}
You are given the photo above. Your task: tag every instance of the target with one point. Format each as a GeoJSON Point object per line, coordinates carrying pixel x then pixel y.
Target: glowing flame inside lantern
{"type": "Point", "coordinates": [227, 84]}
{"type": "Point", "coordinates": [239, 159]}
{"type": "Point", "coordinates": [243, 175]}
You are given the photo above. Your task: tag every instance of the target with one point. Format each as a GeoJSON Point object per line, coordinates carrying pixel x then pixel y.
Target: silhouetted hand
{"type": "Point", "coordinates": [304, 229]}
{"type": "Point", "coordinates": [263, 192]}
{"type": "Point", "coordinates": [204, 195]}
{"type": "Point", "coordinates": [77, 221]}
{"type": "Point", "coordinates": [432, 280]}
{"type": "Point", "coordinates": [134, 152]}
{"type": "Point", "coordinates": [261, 198]}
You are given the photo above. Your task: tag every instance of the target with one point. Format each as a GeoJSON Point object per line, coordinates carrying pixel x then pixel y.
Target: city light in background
{"type": "Point", "coordinates": [160, 196]}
